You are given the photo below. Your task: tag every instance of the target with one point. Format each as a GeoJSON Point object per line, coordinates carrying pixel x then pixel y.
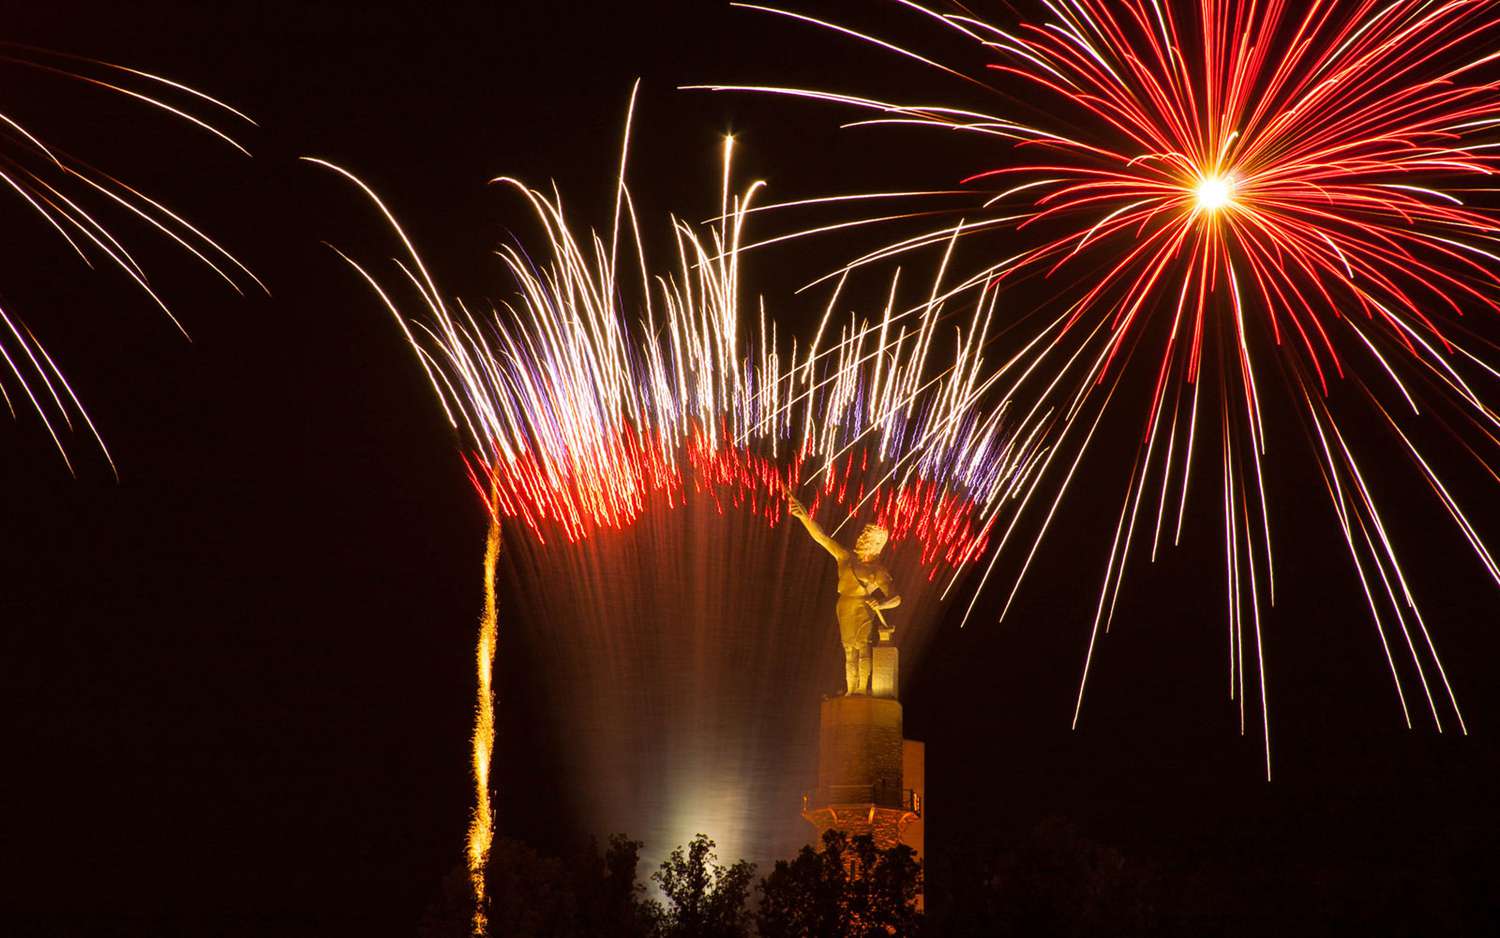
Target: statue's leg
{"type": "Point", "coordinates": [865, 667]}
{"type": "Point", "coordinates": [852, 684]}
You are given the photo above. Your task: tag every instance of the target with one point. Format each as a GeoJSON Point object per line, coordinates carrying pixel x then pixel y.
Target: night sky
{"type": "Point", "coordinates": [236, 682]}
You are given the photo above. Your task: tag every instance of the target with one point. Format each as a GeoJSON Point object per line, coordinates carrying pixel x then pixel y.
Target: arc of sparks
{"type": "Point", "coordinates": [63, 191]}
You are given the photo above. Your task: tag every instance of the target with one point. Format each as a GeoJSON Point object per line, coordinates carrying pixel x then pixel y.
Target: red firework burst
{"type": "Point", "coordinates": [612, 486]}
{"type": "Point", "coordinates": [1252, 185]}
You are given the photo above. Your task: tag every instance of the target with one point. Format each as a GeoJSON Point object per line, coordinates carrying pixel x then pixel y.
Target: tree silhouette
{"type": "Point", "coordinates": [1053, 881]}
{"type": "Point", "coordinates": [704, 899]}
{"type": "Point", "coordinates": [849, 889]}
{"type": "Point", "coordinates": [588, 895]}
{"type": "Point", "coordinates": [529, 897]}
{"type": "Point", "coordinates": [610, 899]}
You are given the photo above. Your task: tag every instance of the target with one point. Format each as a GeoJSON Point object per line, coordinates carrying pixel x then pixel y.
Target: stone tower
{"type": "Point", "coordinates": [870, 778]}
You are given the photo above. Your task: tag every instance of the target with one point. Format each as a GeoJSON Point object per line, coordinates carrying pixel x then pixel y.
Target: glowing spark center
{"type": "Point", "coordinates": [1213, 193]}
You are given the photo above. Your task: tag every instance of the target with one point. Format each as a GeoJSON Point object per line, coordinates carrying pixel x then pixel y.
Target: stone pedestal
{"type": "Point", "coordinates": [859, 751]}
{"type": "Point", "coordinates": [861, 758]}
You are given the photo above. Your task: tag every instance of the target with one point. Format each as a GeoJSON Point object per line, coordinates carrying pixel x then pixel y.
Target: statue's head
{"type": "Point", "coordinates": [871, 542]}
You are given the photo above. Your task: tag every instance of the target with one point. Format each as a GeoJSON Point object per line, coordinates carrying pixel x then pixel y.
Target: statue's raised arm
{"type": "Point", "coordinates": [799, 511]}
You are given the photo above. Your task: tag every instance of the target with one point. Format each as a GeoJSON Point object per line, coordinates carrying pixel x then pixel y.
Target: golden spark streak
{"type": "Point", "coordinates": [482, 824]}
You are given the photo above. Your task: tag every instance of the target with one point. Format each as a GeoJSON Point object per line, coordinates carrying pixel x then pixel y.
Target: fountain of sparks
{"type": "Point", "coordinates": [635, 437]}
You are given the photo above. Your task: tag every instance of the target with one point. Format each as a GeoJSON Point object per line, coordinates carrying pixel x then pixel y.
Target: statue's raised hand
{"type": "Point", "coordinates": [795, 508]}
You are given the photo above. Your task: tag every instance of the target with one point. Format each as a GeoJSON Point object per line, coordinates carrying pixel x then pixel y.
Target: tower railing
{"type": "Point", "coordinates": [910, 799]}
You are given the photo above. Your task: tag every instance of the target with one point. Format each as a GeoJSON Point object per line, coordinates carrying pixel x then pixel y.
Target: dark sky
{"type": "Point", "coordinates": [236, 682]}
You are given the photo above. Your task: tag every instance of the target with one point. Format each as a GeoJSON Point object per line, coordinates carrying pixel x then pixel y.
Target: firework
{"type": "Point", "coordinates": [582, 411]}
{"type": "Point", "coordinates": [1249, 191]}
{"type": "Point", "coordinates": [72, 197]}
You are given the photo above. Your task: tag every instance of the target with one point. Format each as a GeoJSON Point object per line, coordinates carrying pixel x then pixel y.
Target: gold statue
{"type": "Point", "coordinates": [861, 574]}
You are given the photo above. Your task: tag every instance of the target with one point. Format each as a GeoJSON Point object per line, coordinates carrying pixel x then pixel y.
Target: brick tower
{"type": "Point", "coordinates": [870, 778]}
